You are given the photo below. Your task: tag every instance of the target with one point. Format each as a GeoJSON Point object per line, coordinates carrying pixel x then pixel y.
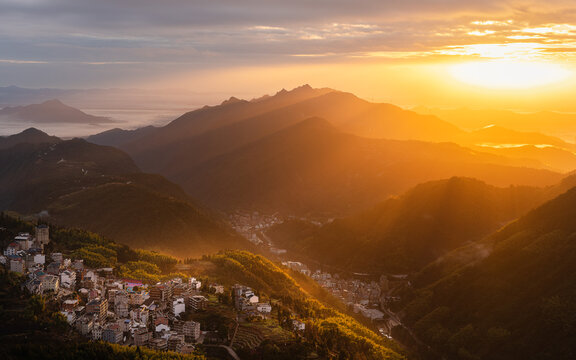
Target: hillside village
{"type": "Point", "coordinates": [101, 306]}
{"type": "Point", "coordinates": [369, 298]}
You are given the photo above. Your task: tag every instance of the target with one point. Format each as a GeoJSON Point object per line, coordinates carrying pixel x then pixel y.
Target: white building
{"type": "Point", "coordinates": [40, 259]}
{"type": "Point", "coordinates": [97, 332]}
{"type": "Point", "coordinates": [264, 308]}
{"type": "Point", "coordinates": [17, 265]}
{"type": "Point", "coordinates": [298, 325]}
{"type": "Point", "coordinates": [70, 316]}
{"type": "Point", "coordinates": [195, 284]}
{"type": "Point", "coordinates": [140, 314]}
{"type": "Point", "coordinates": [178, 306]}
{"type": "Point", "coordinates": [162, 327]}
{"type": "Point", "coordinates": [12, 248]}
{"type": "Point", "coordinates": [68, 279]}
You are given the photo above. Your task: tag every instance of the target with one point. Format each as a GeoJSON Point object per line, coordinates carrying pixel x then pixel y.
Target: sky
{"type": "Point", "coordinates": [439, 53]}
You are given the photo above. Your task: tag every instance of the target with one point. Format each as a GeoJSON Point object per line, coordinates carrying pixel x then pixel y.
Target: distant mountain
{"type": "Point", "coordinates": [100, 188]}
{"type": "Point", "coordinates": [541, 157]}
{"type": "Point", "coordinates": [498, 135]}
{"type": "Point", "coordinates": [510, 297]}
{"type": "Point", "coordinates": [31, 135]}
{"type": "Point", "coordinates": [557, 124]}
{"type": "Point", "coordinates": [312, 167]}
{"type": "Point", "coordinates": [18, 95]}
{"type": "Point", "coordinates": [117, 137]}
{"type": "Point", "coordinates": [405, 233]}
{"type": "Point", "coordinates": [51, 111]}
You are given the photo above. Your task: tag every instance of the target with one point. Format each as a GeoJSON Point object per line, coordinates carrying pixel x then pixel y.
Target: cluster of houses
{"type": "Point", "coordinates": [362, 296]}
{"type": "Point", "coordinates": [248, 303]}
{"type": "Point", "coordinates": [26, 252]}
{"type": "Point", "coordinates": [252, 225]}
{"type": "Point", "coordinates": [102, 307]}
{"type": "Point", "coordinates": [130, 313]}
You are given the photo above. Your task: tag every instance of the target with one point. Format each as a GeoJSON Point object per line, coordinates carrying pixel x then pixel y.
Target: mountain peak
{"type": "Point", "coordinates": [33, 131]}
{"type": "Point", "coordinates": [53, 102]}
{"type": "Point", "coordinates": [304, 87]}
{"type": "Point", "coordinates": [232, 100]}
{"type": "Point", "coordinates": [282, 92]}
{"type": "Point", "coordinates": [30, 136]}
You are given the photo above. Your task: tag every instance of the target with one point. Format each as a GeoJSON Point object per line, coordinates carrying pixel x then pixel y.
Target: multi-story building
{"type": "Point", "coordinates": [186, 348]}
{"type": "Point", "coordinates": [137, 298]}
{"type": "Point", "coordinates": [160, 344]}
{"type": "Point", "coordinates": [97, 332]}
{"type": "Point", "coordinates": [112, 334]}
{"type": "Point", "coordinates": [85, 325]}
{"type": "Point", "coordinates": [70, 305]}
{"type": "Point", "coordinates": [178, 306]}
{"type": "Point", "coordinates": [99, 307]}
{"type": "Point", "coordinates": [197, 302]}
{"type": "Point", "coordinates": [161, 293]}
{"type": "Point", "coordinates": [175, 341]}
{"type": "Point", "coordinates": [141, 337]}
{"type": "Point", "coordinates": [17, 264]}
{"type": "Point", "coordinates": [121, 304]}
{"type": "Point", "coordinates": [25, 241]}
{"type": "Point", "coordinates": [191, 330]}
{"type": "Point", "coordinates": [43, 235]}
{"type": "Point", "coordinates": [68, 279]}
{"type": "Point", "coordinates": [50, 283]}
{"type": "Point", "coordinates": [141, 314]}
{"type": "Point", "coordinates": [12, 248]}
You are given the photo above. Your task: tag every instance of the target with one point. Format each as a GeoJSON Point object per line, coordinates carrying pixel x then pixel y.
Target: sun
{"type": "Point", "coordinates": [509, 74]}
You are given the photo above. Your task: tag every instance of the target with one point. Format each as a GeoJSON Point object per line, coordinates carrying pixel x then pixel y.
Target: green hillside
{"type": "Point", "coordinates": [329, 332]}
{"type": "Point", "coordinates": [405, 233]}
{"type": "Point", "coordinates": [511, 297]}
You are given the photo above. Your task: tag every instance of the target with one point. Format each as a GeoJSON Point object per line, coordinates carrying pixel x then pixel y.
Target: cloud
{"type": "Point", "coordinates": [149, 36]}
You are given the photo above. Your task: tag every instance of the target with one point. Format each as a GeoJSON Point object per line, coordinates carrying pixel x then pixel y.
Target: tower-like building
{"type": "Point", "coordinates": [43, 235]}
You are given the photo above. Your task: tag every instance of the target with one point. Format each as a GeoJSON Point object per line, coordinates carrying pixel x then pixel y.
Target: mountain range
{"type": "Point", "coordinates": [323, 151]}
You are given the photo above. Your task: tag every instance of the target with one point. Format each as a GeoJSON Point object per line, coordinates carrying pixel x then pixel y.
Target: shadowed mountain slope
{"type": "Point", "coordinates": [404, 233]}
{"type": "Point", "coordinates": [101, 189]}
{"type": "Point", "coordinates": [512, 296]}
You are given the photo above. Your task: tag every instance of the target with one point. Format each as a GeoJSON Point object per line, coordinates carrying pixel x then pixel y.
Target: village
{"type": "Point", "coordinates": [101, 306]}
{"type": "Point", "coordinates": [370, 298]}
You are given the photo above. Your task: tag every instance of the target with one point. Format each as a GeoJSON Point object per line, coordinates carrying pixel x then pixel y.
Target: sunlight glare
{"type": "Point", "coordinates": [509, 75]}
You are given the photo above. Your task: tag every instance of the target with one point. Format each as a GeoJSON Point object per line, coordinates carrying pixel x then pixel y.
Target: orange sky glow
{"type": "Point", "coordinates": [498, 54]}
